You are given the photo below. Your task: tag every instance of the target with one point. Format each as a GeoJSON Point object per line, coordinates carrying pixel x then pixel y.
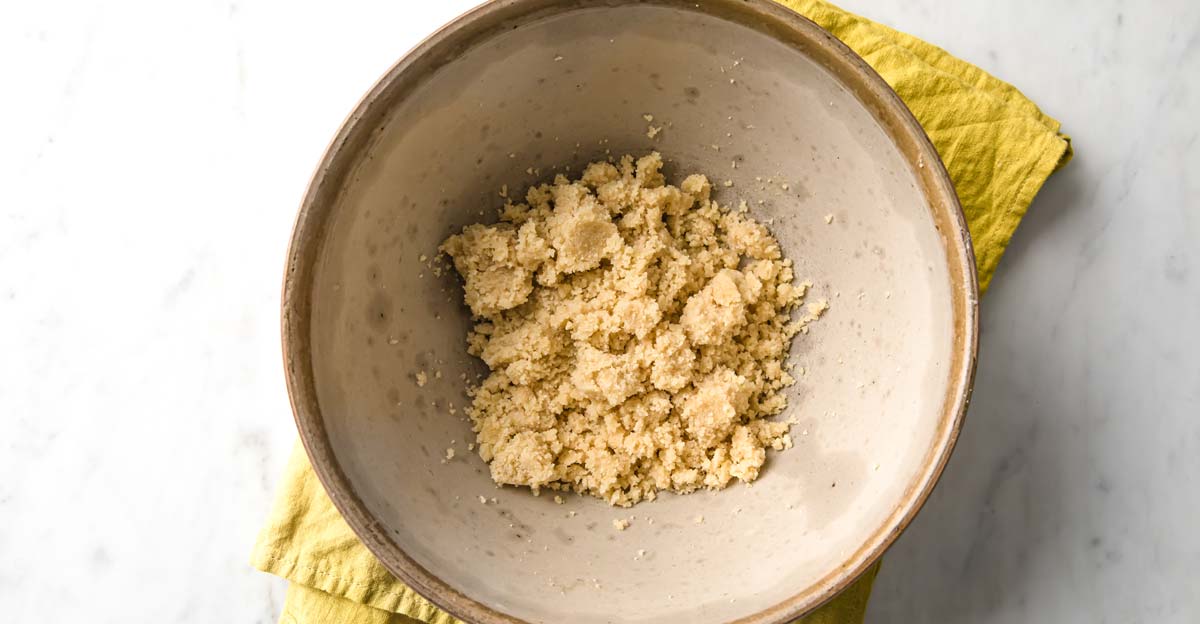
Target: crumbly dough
{"type": "Point", "coordinates": [636, 334]}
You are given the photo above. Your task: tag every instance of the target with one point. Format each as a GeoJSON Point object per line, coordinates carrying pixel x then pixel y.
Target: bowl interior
{"type": "Point", "coordinates": [528, 85]}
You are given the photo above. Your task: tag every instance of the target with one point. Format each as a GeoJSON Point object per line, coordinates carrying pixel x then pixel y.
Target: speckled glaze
{"type": "Point", "coordinates": [535, 83]}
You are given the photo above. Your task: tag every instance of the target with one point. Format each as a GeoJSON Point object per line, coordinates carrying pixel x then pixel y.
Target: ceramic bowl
{"type": "Point", "coordinates": [521, 84]}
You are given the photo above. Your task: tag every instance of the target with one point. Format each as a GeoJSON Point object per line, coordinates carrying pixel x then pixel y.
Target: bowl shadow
{"type": "Point", "coordinates": [1001, 497]}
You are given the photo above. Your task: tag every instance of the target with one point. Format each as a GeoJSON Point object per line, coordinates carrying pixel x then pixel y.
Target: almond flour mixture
{"type": "Point", "coordinates": [636, 334]}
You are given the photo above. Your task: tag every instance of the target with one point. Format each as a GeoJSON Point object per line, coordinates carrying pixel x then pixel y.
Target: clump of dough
{"type": "Point", "coordinates": [636, 334]}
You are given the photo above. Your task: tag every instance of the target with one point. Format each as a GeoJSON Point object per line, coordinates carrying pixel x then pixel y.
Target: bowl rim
{"type": "Point", "coordinates": [442, 47]}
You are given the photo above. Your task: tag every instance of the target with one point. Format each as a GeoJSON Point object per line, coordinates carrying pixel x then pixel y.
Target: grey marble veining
{"type": "Point", "coordinates": [153, 155]}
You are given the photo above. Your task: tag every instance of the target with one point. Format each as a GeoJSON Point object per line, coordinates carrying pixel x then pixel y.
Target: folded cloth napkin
{"type": "Point", "coordinates": [999, 149]}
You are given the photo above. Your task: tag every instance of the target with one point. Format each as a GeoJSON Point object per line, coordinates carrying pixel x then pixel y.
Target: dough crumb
{"type": "Point", "coordinates": [829, 218]}
{"type": "Point", "coordinates": [699, 519]}
{"type": "Point", "coordinates": [558, 500]}
{"type": "Point", "coordinates": [636, 335]}
{"type": "Point", "coordinates": [620, 524]}
{"type": "Point", "coordinates": [449, 454]}
{"type": "Point", "coordinates": [421, 379]}
{"type": "Point", "coordinates": [652, 131]}
{"type": "Point", "coordinates": [482, 500]}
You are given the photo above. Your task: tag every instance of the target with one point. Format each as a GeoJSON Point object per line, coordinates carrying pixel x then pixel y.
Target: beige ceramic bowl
{"type": "Point", "coordinates": [534, 83]}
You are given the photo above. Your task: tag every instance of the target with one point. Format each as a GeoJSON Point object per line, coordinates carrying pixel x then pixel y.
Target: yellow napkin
{"type": "Point", "coordinates": [999, 149]}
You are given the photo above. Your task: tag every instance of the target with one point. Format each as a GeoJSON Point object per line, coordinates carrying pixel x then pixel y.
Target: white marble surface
{"type": "Point", "coordinates": [151, 158]}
